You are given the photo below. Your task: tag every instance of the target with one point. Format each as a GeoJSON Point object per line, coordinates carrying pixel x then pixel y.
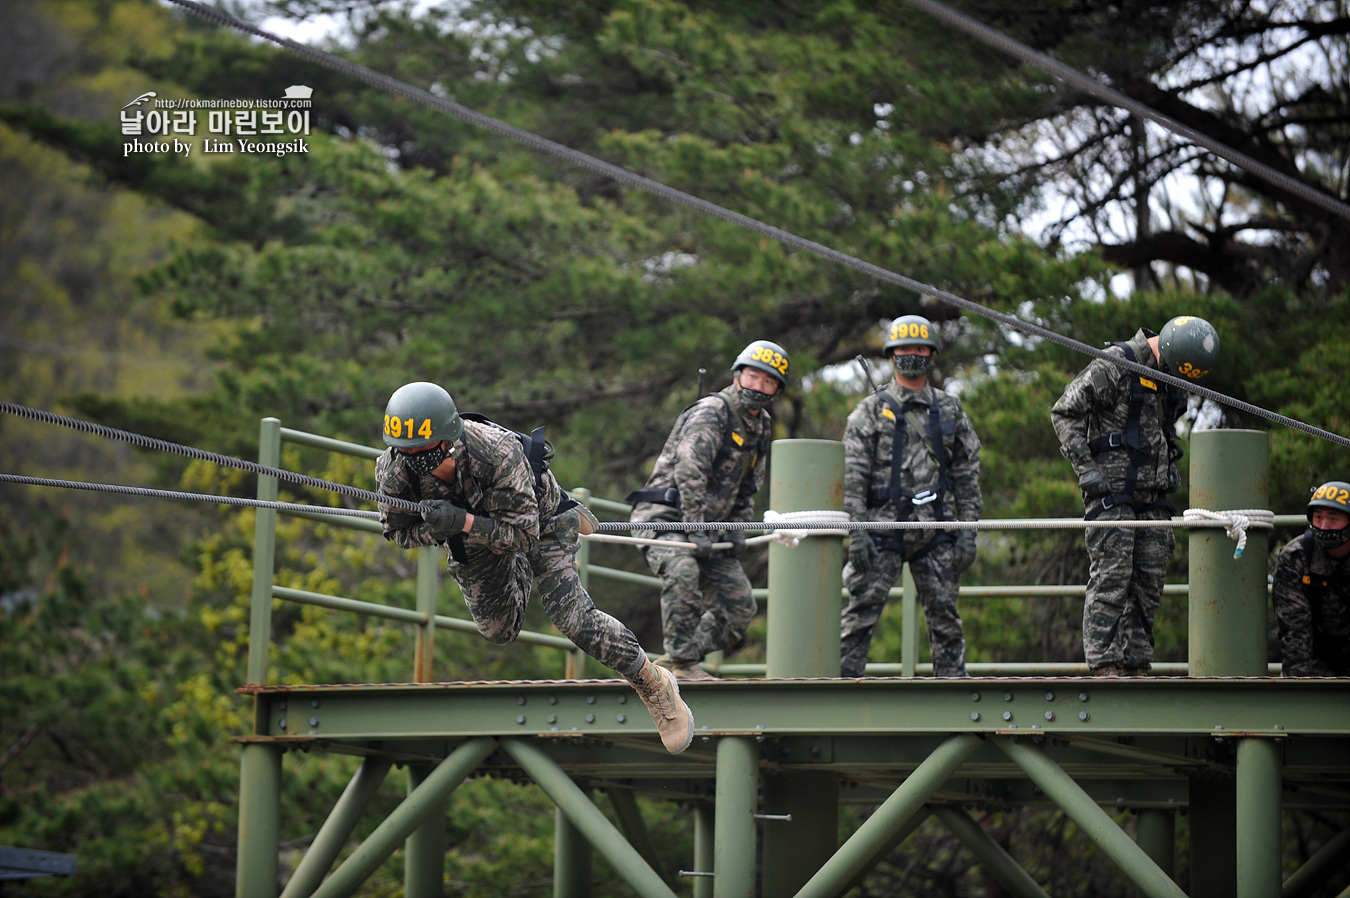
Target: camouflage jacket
{"type": "Point", "coordinates": [1314, 623]}
{"type": "Point", "coordinates": [713, 486]}
{"type": "Point", "coordinates": [869, 441]}
{"type": "Point", "coordinates": [493, 481]}
{"type": "Point", "coordinates": [1097, 403]}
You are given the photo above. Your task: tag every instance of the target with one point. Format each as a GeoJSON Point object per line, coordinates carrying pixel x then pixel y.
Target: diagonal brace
{"type": "Point", "coordinates": [853, 856]}
{"type": "Point", "coordinates": [405, 818]}
{"type": "Point", "coordinates": [587, 818]}
{"type": "Point", "coordinates": [992, 856]}
{"type": "Point", "coordinates": [1060, 788]}
{"type": "Point", "coordinates": [337, 828]}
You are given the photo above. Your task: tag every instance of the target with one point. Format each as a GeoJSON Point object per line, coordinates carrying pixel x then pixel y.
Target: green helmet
{"type": "Point", "coordinates": [419, 414]}
{"type": "Point", "coordinates": [768, 357]}
{"type": "Point", "coordinates": [1189, 346]}
{"type": "Point", "coordinates": [911, 330]}
{"type": "Point", "coordinates": [1334, 494]}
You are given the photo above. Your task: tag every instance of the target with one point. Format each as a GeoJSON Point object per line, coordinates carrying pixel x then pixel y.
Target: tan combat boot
{"type": "Point", "coordinates": [674, 721]}
{"type": "Point", "coordinates": [684, 671]}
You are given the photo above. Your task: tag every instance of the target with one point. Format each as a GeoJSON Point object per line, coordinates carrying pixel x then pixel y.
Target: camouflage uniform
{"type": "Point", "coordinates": [512, 542]}
{"type": "Point", "coordinates": [1126, 566]}
{"type": "Point", "coordinates": [869, 438]}
{"type": "Point", "coordinates": [1314, 620]}
{"type": "Point", "coordinates": [706, 603]}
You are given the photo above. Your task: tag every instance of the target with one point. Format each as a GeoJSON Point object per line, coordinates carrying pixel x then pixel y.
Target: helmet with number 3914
{"type": "Point", "coordinates": [1189, 346]}
{"type": "Point", "coordinates": [768, 357]}
{"type": "Point", "coordinates": [419, 414]}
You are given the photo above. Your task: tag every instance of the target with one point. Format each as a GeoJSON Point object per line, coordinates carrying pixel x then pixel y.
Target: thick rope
{"type": "Point", "coordinates": [795, 536]}
{"type": "Point", "coordinates": [624, 176]}
{"type": "Point", "coordinates": [1235, 522]}
{"type": "Point", "coordinates": [146, 442]}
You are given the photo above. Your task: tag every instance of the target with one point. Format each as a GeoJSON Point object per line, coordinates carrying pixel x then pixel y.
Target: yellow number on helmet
{"type": "Point", "coordinates": [1343, 497]}
{"type": "Point", "coordinates": [425, 430]}
{"type": "Point", "coordinates": [395, 427]}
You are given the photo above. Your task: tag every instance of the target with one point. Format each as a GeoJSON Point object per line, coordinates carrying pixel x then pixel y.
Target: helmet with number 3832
{"type": "Point", "coordinates": [768, 357]}
{"type": "Point", "coordinates": [1189, 346]}
{"type": "Point", "coordinates": [419, 414]}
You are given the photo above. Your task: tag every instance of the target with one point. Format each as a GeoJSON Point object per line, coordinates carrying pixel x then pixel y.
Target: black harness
{"type": "Point", "coordinates": [906, 502]}
{"type": "Point", "coordinates": [1128, 439]}
{"type": "Point", "coordinates": [1316, 587]}
{"type": "Point", "coordinates": [731, 441]}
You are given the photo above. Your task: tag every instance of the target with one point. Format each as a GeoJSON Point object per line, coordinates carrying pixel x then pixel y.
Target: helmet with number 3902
{"type": "Point", "coordinates": [1333, 495]}
{"type": "Point", "coordinates": [419, 414]}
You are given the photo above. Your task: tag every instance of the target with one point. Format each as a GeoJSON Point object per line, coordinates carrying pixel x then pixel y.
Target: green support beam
{"type": "Point", "coordinates": [1258, 819]}
{"type": "Point", "coordinates": [854, 855]}
{"type": "Point", "coordinates": [635, 828]}
{"type": "Point", "coordinates": [424, 862]}
{"type": "Point", "coordinates": [257, 868]}
{"type": "Point", "coordinates": [993, 857]}
{"type": "Point", "coordinates": [1156, 830]}
{"type": "Point", "coordinates": [428, 798]}
{"type": "Point", "coordinates": [588, 819]}
{"type": "Point", "coordinates": [337, 829]}
{"type": "Point", "coordinates": [704, 849]}
{"type": "Point", "coordinates": [572, 855]}
{"type": "Point", "coordinates": [1095, 823]}
{"type": "Point", "coordinates": [1329, 860]}
{"type": "Point", "coordinates": [737, 790]}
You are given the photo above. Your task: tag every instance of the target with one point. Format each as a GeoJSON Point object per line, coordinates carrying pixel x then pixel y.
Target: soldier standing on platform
{"type": "Point", "coordinates": [710, 468]}
{"type": "Point", "coordinates": [1115, 427]}
{"type": "Point", "coordinates": [1311, 593]}
{"type": "Point", "coordinates": [505, 523]}
{"type": "Point", "coordinates": [910, 454]}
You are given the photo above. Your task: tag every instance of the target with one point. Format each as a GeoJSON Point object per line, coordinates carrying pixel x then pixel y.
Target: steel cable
{"type": "Point", "coordinates": [624, 176]}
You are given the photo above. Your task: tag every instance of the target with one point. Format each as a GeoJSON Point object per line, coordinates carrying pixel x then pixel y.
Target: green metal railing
{"type": "Point", "coordinates": [429, 563]}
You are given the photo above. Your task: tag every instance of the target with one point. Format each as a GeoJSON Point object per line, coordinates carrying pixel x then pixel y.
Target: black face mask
{"type": "Point", "coordinates": [911, 364]}
{"type": "Point", "coordinates": [1330, 539]}
{"type": "Point", "coordinates": [423, 463]}
{"type": "Point", "coordinates": [755, 399]}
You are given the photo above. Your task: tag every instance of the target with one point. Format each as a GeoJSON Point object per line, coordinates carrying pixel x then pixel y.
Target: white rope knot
{"type": "Point", "coordinates": [794, 537]}
{"type": "Point", "coordinates": [1235, 522]}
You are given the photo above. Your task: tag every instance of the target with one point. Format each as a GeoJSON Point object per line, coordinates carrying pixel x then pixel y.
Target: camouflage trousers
{"type": "Point", "coordinates": [937, 582]}
{"type": "Point", "coordinates": [706, 604]}
{"type": "Point", "coordinates": [497, 588]}
{"type": "Point", "coordinates": [1126, 571]}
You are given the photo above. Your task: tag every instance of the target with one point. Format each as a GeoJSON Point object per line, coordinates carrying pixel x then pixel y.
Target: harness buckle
{"type": "Point", "coordinates": [923, 498]}
{"type": "Point", "coordinates": [1115, 440]}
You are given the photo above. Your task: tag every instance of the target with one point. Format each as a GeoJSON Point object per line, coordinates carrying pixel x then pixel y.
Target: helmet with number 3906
{"type": "Point", "coordinates": [419, 414]}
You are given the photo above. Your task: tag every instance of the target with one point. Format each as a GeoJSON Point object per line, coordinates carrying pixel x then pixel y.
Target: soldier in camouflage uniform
{"type": "Point", "coordinates": [1116, 428]}
{"type": "Point", "coordinates": [1311, 593]}
{"type": "Point", "coordinates": [934, 476]}
{"type": "Point", "coordinates": [709, 470]}
{"type": "Point", "coordinates": [504, 525]}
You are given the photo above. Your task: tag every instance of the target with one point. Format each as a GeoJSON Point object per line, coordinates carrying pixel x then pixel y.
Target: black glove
{"type": "Point", "coordinates": [862, 551]}
{"type": "Point", "coordinates": [445, 517]}
{"type": "Point", "coordinates": [1093, 483]}
{"type": "Point", "coordinates": [737, 540]}
{"type": "Point", "coordinates": [965, 549]}
{"type": "Point", "coordinates": [702, 543]}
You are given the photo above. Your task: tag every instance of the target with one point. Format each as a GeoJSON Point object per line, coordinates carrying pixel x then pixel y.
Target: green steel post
{"type": "Point", "coordinates": [1258, 818]}
{"type": "Point", "coordinates": [571, 859]}
{"type": "Point", "coordinates": [593, 824]}
{"type": "Point", "coordinates": [802, 638]}
{"type": "Point", "coordinates": [735, 793]}
{"type": "Point", "coordinates": [993, 858]}
{"type": "Point", "coordinates": [635, 828]}
{"type": "Point", "coordinates": [1095, 823]}
{"type": "Point", "coordinates": [880, 829]}
{"type": "Point", "coordinates": [260, 765]}
{"type": "Point", "coordinates": [1230, 469]}
{"type": "Point", "coordinates": [575, 661]}
{"type": "Point", "coordinates": [424, 861]}
{"type": "Point", "coordinates": [259, 822]}
{"type": "Point", "coordinates": [427, 798]}
{"type": "Point", "coordinates": [1157, 835]}
{"type": "Point", "coordinates": [909, 624]}
{"type": "Point", "coordinates": [704, 847]}
{"type": "Point", "coordinates": [803, 641]}
{"type": "Point", "coordinates": [882, 850]}
{"type": "Point", "coordinates": [1330, 859]}
{"type": "Point", "coordinates": [264, 553]}
{"type": "Point", "coordinates": [428, 581]}
{"type": "Point", "coordinates": [337, 828]}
